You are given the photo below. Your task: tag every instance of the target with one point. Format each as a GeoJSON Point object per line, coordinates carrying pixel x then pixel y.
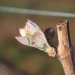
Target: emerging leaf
{"type": "Point", "coordinates": [32, 35]}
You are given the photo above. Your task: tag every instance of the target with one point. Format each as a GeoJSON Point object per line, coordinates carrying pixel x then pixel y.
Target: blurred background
{"type": "Point", "coordinates": [18, 59]}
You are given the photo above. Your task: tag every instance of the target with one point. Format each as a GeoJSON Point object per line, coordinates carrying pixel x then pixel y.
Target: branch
{"type": "Point", "coordinates": [64, 51]}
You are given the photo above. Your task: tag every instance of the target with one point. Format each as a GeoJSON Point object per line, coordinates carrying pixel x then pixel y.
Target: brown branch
{"type": "Point", "coordinates": [64, 51]}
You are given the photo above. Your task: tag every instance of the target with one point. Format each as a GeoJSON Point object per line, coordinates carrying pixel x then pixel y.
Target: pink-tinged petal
{"type": "Point", "coordinates": [22, 40]}
{"type": "Point", "coordinates": [26, 41]}
{"type": "Point", "coordinates": [40, 34]}
{"type": "Point", "coordinates": [34, 24]}
{"type": "Point", "coordinates": [22, 32]}
{"type": "Point", "coordinates": [40, 40]}
{"type": "Point", "coordinates": [31, 27]}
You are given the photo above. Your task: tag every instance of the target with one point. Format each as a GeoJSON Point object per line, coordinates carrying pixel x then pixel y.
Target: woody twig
{"type": "Point", "coordinates": [64, 50]}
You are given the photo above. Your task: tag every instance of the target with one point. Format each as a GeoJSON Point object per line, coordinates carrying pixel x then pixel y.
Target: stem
{"type": "Point", "coordinates": [65, 48]}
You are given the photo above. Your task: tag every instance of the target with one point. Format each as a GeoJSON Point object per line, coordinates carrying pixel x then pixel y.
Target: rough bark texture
{"type": "Point", "coordinates": [64, 51]}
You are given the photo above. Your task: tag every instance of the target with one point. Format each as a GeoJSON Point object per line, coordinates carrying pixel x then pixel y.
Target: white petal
{"type": "Point", "coordinates": [31, 27]}
{"type": "Point", "coordinates": [40, 40]}
{"type": "Point", "coordinates": [34, 24]}
{"type": "Point", "coordinates": [22, 32]}
{"type": "Point", "coordinates": [23, 40]}
{"type": "Point", "coordinates": [26, 41]}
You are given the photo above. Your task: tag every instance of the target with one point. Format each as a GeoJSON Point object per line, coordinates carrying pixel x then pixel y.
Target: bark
{"type": "Point", "coordinates": [64, 50]}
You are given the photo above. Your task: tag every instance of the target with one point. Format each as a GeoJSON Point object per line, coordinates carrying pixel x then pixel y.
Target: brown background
{"type": "Point", "coordinates": [28, 59]}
